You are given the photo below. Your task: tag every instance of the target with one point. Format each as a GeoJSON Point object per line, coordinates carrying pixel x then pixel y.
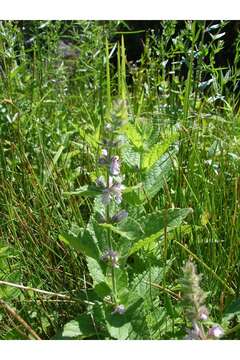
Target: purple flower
{"type": "Point", "coordinates": [215, 331]}
{"type": "Point", "coordinates": [119, 309]}
{"type": "Point", "coordinates": [116, 190]}
{"type": "Point", "coordinates": [111, 257]}
{"type": "Point", "coordinates": [115, 166]}
{"type": "Point", "coordinates": [113, 191]}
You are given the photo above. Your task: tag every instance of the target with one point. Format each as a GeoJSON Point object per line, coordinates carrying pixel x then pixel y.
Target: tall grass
{"type": "Point", "coordinates": [53, 107]}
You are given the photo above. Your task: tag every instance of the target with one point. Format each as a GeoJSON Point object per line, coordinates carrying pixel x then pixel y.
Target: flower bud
{"type": "Point", "coordinates": [203, 313]}
{"type": "Point", "coordinates": [121, 215]}
{"type": "Point", "coordinates": [111, 257]}
{"type": "Point", "coordinates": [115, 166]}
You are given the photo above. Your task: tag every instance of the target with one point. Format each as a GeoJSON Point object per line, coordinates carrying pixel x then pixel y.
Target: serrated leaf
{"type": "Point", "coordinates": [133, 135]}
{"type": "Point", "coordinates": [157, 150]}
{"type": "Point", "coordinates": [157, 175]}
{"type": "Point", "coordinates": [130, 157]}
{"type": "Point", "coordinates": [141, 283]}
{"type": "Point", "coordinates": [154, 225]}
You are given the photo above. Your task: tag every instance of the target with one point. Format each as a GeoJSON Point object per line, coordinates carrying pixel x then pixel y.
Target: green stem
{"type": "Point", "coordinates": [109, 237]}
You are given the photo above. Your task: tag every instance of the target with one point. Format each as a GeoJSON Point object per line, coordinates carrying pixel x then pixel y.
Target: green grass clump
{"type": "Point", "coordinates": [58, 83]}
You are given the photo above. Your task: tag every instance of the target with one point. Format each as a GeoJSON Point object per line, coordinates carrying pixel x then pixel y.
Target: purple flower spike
{"type": "Point", "coordinates": [115, 166]}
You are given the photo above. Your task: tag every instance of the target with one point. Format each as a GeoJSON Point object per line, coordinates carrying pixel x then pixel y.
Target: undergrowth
{"type": "Point", "coordinates": [118, 179]}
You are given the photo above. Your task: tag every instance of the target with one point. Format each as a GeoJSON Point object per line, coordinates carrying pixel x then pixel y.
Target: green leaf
{"type": "Point", "coordinates": [96, 271]}
{"type": "Point", "coordinates": [119, 326]}
{"type": "Point", "coordinates": [154, 225]}
{"type": "Point", "coordinates": [133, 135]}
{"type": "Point", "coordinates": [134, 195]}
{"type": "Point", "coordinates": [122, 285]}
{"type": "Point", "coordinates": [141, 284]}
{"type": "Point", "coordinates": [149, 227]}
{"type": "Point", "coordinates": [154, 180]}
{"type": "Point", "coordinates": [232, 310]}
{"type": "Point", "coordinates": [81, 327]}
{"type": "Point", "coordinates": [157, 150]}
{"type": "Point", "coordinates": [157, 175]}
{"type": "Point", "coordinates": [102, 289]}
{"type": "Point", "coordinates": [83, 242]}
{"type": "Point", "coordinates": [130, 157]}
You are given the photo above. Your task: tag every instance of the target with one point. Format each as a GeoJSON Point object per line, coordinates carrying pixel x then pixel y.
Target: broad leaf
{"type": "Point", "coordinates": [96, 271]}
{"type": "Point", "coordinates": [157, 150]}
{"type": "Point", "coordinates": [157, 176]}
{"type": "Point", "coordinates": [232, 310]}
{"type": "Point", "coordinates": [130, 157]}
{"type": "Point", "coordinates": [119, 326]}
{"type": "Point", "coordinates": [83, 242]}
{"type": "Point", "coordinates": [133, 135]}
{"type": "Point", "coordinates": [155, 224]}
{"type": "Point", "coordinates": [81, 327]}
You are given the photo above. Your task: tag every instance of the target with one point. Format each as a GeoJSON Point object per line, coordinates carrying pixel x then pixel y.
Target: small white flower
{"type": "Point", "coordinates": [104, 158]}
{"type": "Point", "coordinates": [119, 309]}
{"type": "Point", "coordinates": [108, 127]}
{"type": "Point", "coordinates": [104, 152]}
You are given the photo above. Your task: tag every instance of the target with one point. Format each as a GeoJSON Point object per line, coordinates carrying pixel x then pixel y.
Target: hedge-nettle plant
{"type": "Point", "coordinates": [112, 187]}
{"type": "Point", "coordinates": [195, 310]}
{"type": "Point", "coordinates": [122, 226]}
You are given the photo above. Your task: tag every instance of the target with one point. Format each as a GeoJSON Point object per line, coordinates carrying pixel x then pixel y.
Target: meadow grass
{"type": "Point", "coordinates": [53, 106]}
